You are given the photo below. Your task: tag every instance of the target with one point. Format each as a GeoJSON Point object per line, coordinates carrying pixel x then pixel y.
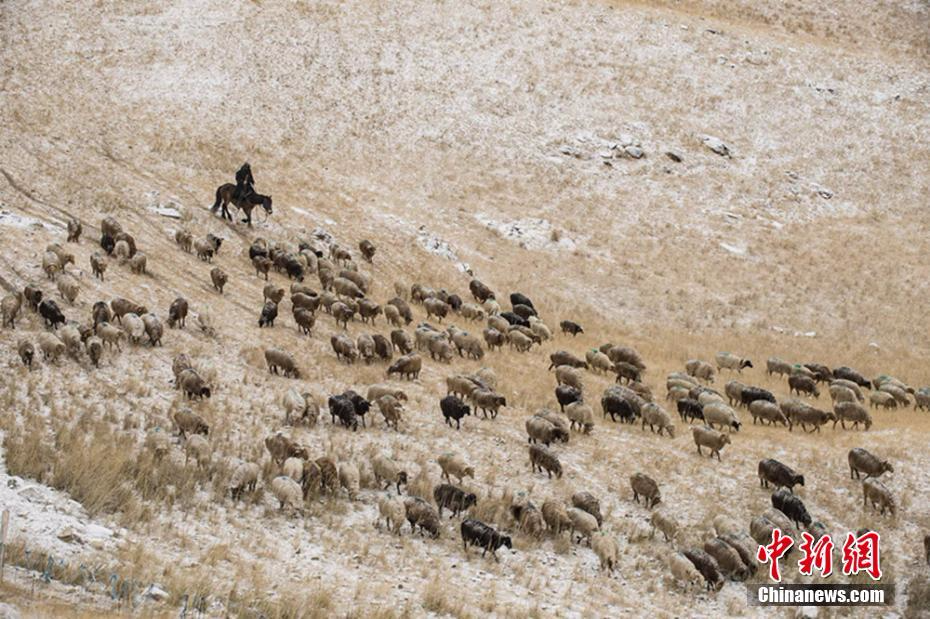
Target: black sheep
{"type": "Point", "coordinates": [822, 374]}
{"type": "Point", "coordinates": [361, 405]}
{"type": "Point", "coordinates": [751, 394]}
{"type": "Point", "coordinates": [51, 313]}
{"type": "Point", "coordinates": [780, 475]}
{"type": "Point", "coordinates": [568, 326]}
{"type": "Point", "coordinates": [343, 408]}
{"type": "Point", "coordinates": [269, 313]}
{"type": "Point", "coordinates": [453, 408]}
{"type": "Point", "coordinates": [790, 505]}
{"type": "Point", "coordinates": [707, 566]}
{"type": "Point", "coordinates": [476, 533]}
{"type": "Point", "coordinates": [524, 311]}
{"type": "Point", "coordinates": [689, 410]}
{"type": "Point", "coordinates": [567, 395]}
{"type": "Point", "coordinates": [108, 243]}
{"type": "Point", "coordinates": [455, 302]}
{"type": "Point", "coordinates": [258, 249]}
{"type": "Point", "coordinates": [514, 319]}
{"type": "Point", "coordinates": [453, 498]}
{"type": "Point", "coordinates": [851, 374]}
{"type": "Point", "coordinates": [614, 406]}
{"type": "Point", "coordinates": [294, 269]}
{"type": "Point", "coordinates": [521, 299]}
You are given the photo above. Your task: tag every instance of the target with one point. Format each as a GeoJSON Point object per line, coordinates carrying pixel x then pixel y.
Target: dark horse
{"type": "Point", "coordinates": [224, 197]}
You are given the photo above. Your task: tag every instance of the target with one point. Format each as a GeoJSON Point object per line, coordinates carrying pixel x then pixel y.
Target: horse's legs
{"type": "Point", "coordinates": [248, 216]}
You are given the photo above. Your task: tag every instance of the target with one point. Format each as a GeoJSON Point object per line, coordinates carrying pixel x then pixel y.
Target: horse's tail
{"type": "Point", "coordinates": [219, 198]}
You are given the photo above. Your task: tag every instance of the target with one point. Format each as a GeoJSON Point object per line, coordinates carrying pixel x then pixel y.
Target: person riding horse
{"type": "Point", "coordinates": [244, 181]}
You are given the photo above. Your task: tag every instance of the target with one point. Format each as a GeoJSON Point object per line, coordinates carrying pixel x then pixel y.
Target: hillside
{"type": "Point", "coordinates": [526, 144]}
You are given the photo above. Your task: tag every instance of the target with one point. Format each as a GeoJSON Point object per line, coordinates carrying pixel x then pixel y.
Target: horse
{"type": "Point", "coordinates": [224, 197]}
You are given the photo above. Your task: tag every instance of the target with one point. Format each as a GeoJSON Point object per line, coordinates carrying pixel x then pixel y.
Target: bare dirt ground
{"type": "Point", "coordinates": [525, 142]}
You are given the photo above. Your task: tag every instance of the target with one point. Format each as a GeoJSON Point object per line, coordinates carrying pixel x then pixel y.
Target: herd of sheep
{"type": "Point", "coordinates": [344, 295]}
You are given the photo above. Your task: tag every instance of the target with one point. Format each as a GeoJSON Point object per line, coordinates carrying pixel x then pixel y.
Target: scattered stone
{"type": "Point", "coordinates": [673, 156]}
{"type": "Point", "coordinates": [68, 536]}
{"type": "Point", "coordinates": [716, 145]}
{"type": "Point", "coordinates": [634, 151]}
{"type": "Point", "coordinates": [156, 593]}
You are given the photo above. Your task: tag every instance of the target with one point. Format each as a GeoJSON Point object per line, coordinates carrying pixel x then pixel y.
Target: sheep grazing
{"type": "Point", "coordinates": [68, 288]}
{"type": "Point", "coordinates": [153, 329]}
{"type": "Point", "coordinates": [268, 315]}
{"type": "Point", "coordinates": [586, 501]}
{"type": "Point", "coordinates": [33, 296]}
{"type": "Point", "coordinates": [281, 448]}
{"type": "Point", "coordinates": [542, 459]}
{"type": "Point", "coordinates": [244, 479]}
{"type": "Point", "coordinates": [137, 264]}
{"type": "Point", "coordinates": [763, 410]}
{"type": "Point", "coordinates": [453, 465]}
{"type": "Point", "coordinates": [583, 523]}
{"type": "Point", "coordinates": [852, 412]}
{"type": "Point", "coordinates": [563, 357]}
{"type": "Point", "coordinates": [74, 230]}
{"type": "Point", "coordinates": [922, 399]}
{"type": "Point", "coordinates": [808, 415]}
{"type": "Point", "coordinates": [51, 314]}
{"type": "Point", "coordinates": [761, 528]}
{"type": "Point", "coordinates": [607, 551]}
{"type": "Point", "coordinates": [544, 431]}
{"type": "Point", "coordinates": [556, 516]}
{"type": "Point", "coordinates": [718, 413]}
{"type": "Point", "coordinates": [454, 409]}
{"type": "Point", "coordinates": [344, 348]}
{"type": "Point", "coordinates": [344, 409]}
{"type": "Point", "coordinates": [110, 334]}
{"type": "Point", "coordinates": [134, 327]}
{"type": "Point", "coordinates": [392, 510]}
{"type": "Point", "coordinates": [572, 328]}
{"type": "Point", "coordinates": [278, 359]}
{"type": "Point", "coordinates": [567, 375]}
{"type": "Point", "coordinates": [618, 401]}
{"type": "Point", "coordinates": [707, 566]}
{"type": "Point", "coordinates": [349, 479]}
{"type": "Point", "coordinates": [774, 365]}
{"type": "Point", "coordinates": [121, 307]}
{"type": "Point", "coordinates": [288, 492]}
{"type": "Point", "coordinates": [900, 394]}
{"type": "Point", "coordinates": [657, 417]}
{"type": "Point", "coordinates": [581, 415]}
{"type": "Point", "coordinates": [847, 373]}
{"type": "Point", "coordinates": [192, 385]}
{"type": "Point", "coordinates": [303, 405]}
{"type": "Point", "coordinates": [481, 292]}
{"type": "Point", "coordinates": [94, 348]}
{"type": "Point", "coordinates": [190, 423]}
{"type": "Point", "coordinates": [689, 410]}
{"type": "Point", "coordinates": [455, 499]}
{"type": "Point", "coordinates": [408, 366]}
{"type": "Point", "coordinates": [712, 439]}
{"type": "Point", "coordinates": [728, 559]}
{"type": "Point", "coordinates": [476, 533]}
{"type": "Point", "coordinates": [663, 520]}
{"type": "Point", "coordinates": [755, 394]}
{"type": "Point", "coordinates": [877, 494]}
{"type": "Point", "coordinates": [199, 448]}
{"type": "Point", "coordinates": [184, 239]}
{"type": "Point", "coordinates": [204, 250]}
{"type": "Point", "coordinates": [786, 502]}
{"type": "Point", "coordinates": [803, 384]}
{"type": "Point", "coordinates": [26, 352]}
{"type": "Point", "coordinates": [779, 475]}
{"type": "Point", "coordinates": [734, 390]}
{"type": "Point", "coordinates": [391, 410]}
{"type": "Point", "coordinates": [329, 474]}
{"type": "Point", "coordinates": [177, 313]}
{"type": "Point", "coordinates": [683, 570]}
{"type": "Point", "coordinates": [645, 486]}
{"type": "Point", "coordinates": [52, 348]}
{"type": "Point", "coordinates": [837, 384]}
{"type": "Point", "coordinates": [821, 373]}
{"type": "Point", "coordinates": [729, 361]}
{"type": "Point", "coordinates": [421, 514]}
{"type": "Point", "coordinates": [700, 370]}
{"type": "Point", "coordinates": [388, 473]}
{"type": "Point", "coordinates": [861, 461]}
{"type": "Point", "coordinates": [487, 401]}
{"type": "Point", "coordinates": [10, 306]}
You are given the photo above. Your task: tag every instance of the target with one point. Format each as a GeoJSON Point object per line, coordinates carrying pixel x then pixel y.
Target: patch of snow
{"type": "Point", "coordinates": [531, 233]}
{"type": "Point", "coordinates": [739, 250]}
{"type": "Point", "coordinates": [9, 218]}
{"type": "Point", "coordinates": [435, 245]}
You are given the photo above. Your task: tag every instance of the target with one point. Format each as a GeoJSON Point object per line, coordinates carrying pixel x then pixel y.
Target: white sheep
{"type": "Point", "coordinates": [293, 468]}
{"type": "Point", "coordinates": [664, 521]}
{"type": "Point", "coordinates": [393, 512]}
{"type": "Point", "coordinates": [720, 414]}
{"type": "Point", "coordinates": [287, 492]}
{"type": "Point", "coordinates": [386, 470]}
{"type": "Point", "coordinates": [349, 478]}
{"type": "Point", "coordinates": [684, 571]}
{"type": "Point", "coordinates": [303, 404]}
{"type": "Point", "coordinates": [51, 346]}
{"type": "Point", "coordinates": [454, 465]}
{"type": "Point", "coordinates": [657, 417]}
{"type": "Point", "coordinates": [606, 549]}
{"type": "Point", "coordinates": [583, 523]}
{"type": "Point", "coordinates": [196, 446]}
{"type": "Point", "coordinates": [68, 288]}
{"type": "Point", "coordinates": [134, 327]}
{"type": "Point", "coordinates": [581, 414]}
{"type": "Point", "coordinates": [244, 477]}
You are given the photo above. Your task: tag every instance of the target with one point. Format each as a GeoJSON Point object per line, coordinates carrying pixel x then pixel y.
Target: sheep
{"type": "Point", "coordinates": [347, 288]}
{"type": "Point", "coordinates": [541, 430]}
{"type": "Point", "coordinates": [607, 551]}
{"type": "Point", "coordinates": [707, 566]}
{"type": "Point", "coordinates": [730, 361]}
{"type": "Point", "coordinates": [468, 344]}
{"type": "Point", "coordinates": [453, 498]}
{"type": "Point", "coordinates": [700, 370]}
{"type": "Point", "coordinates": [656, 416]}
{"type": "Point", "coordinates": [110, 334]}
{"type": "Point", "coordinates": [599, 362]}
{"type": "Point", "coordinates": [68, 288]}
{"type": "Point", "coordinates": [808, 415]}
{"type": "Point", "coordinates": [386, 470]}
{"type": "Point", "coordinates": [362, 281]}
{"type": "Point", "coordinates": [137, 263]}
{"type": "Point", "coordinates": [861, 461]}
{"type": "Point", "coordinates": [244, 479]}
{"type": "Point", "coordinates": [437, 308]}
{"type": "Point", "coordinates": [898, 393]}
{"type": "Point", "coordinates": [588, 502]}
{"type": "Point", "coordinates": [627, 404]}
{"type": "Point", "coordinates": [763, 410]}
{"type": "Point", "coordinates": [278, 359]}
{"type": "Point", "coordinates": [33, 296]}
{"type": "Point", "coordinates": [94, 347]}
{"type": "Point", "coordinates": [303, 404]}
{"type": "Point", "coordinates": [190, 423]}
{"type": "Point", "coordinates": [542, 459]}
{"type": "Point", "coordinates": [74, 230]}
{"type": "Point", "coordinates": [849, 385]}
{"type": "Point", "coordinates": [476, 533]}
{"type": "Point", "coordinates": [343, 408]}
{"type": "Point", "coordinates": [392, 510]}
{"type": "Point", "coordinates": [567, 326]}
{"type": "Point", "coordinates": [567, 375]}
{"type": "Point", "coordinates": [98, 265]}
{"type": "Point", "coordinates": [153, 328]}
{"type": "Point", "coordinates": [342, 313]}
{"type": "Point", "coordinates": [883, 399]}
{"type": "Point", "coordinates": [683, 570]}
{"type": "Point", "coordinates": [734, 390]}
{"type": "Point", "coordinates": [580, 414]}
{"type": "Point", "coordinates": [664, 521]}
{"type": "Point", "coordinates": [366, 348]}
{"type": "Point", "coordinates": [204, 250]}
{"type": "Point", "coordinates": [774, 365]}
{"type": "Point", "coordinates": [583, 523]}
{"type": "Point", "coordinates": [408, 366]}
{"type": "Point", "coordinates": [133, 327]}
{"type": "Point", "coordinates": [122, 251]}
{"type": "Point", "coordinates": [121, 307]}
{"type": "Point", "coordinates": [26, 352]}
{"type": "Point", "coordinates": [712, 439]}
{"type": "Point", "coordinates": [786, 502]}
{"type": "Point", "coordinates": [487, 400]}
{"type": "Point", "coordinates": [878, 495]}
{"type": "Point", "coordinates": [689, 410]}
{"type": "Point", "coordinates": [192, 385]}
{"type": "Point", "coordinates": [563, 357]}
{"type": "Point", "coordinates": [197, 447]}
{"type": "Point", "coordinates": [778, 474]}
{"type": "Point", "coordinates": [645, 486]}
{"type": "Point", "coordinates": [454, 408]}
{"type": "Point", "coordinates": [421, 514]}
{"type": "Point", "coordinates": [10, 306]}
{"type": "Point", "coordinates": [287, 492]}
{"type": "Point", "coordinates": [755, 394]}
{"type": "Point", "coordinates": [71, 338]}
{"type": "Point", "coordinates": [184, 239]}
{"type": "Point", "coordinates": [281, 448]}
{"type": "Point", "coordinates": [392, 315]}
{"type": "Point", "coordinates": [760, 529]}
{"type": "Point", "coordinates": [454, 465]}
{"type": "Point", "coordinates": [391, 410]}
{"type": "Point", "coordinates": [51, 314]}
{"type": "Point", "coordinates": [441, 350]}
{"type": "Point", "coordinates": [718, 413]}
{"type": "Point", "coordinates": [847, 373]}
{"type": "Point", "coordinates": [854, 412]}
{"type": "Point", "coordinates": [798, 384]}
{"type": "Point", "coordinates": [922, 399]}
{"type": "Point", "coordinates": [744, 547]}
{"type": "Point", "coordinates": [728, 559]}
{"type": "Point", "coordinates": [349, 478]}
{"type": "Point", "coordinates": [51, 265]}
{"type": "Point", "coordinates": [52, 348]}
{"type": "Point", "coordinates": [177, 313]}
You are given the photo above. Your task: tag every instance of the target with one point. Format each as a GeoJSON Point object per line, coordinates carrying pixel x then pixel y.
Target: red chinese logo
{"type": "Point", "coordinates": [816, 555]}
{"type": "Point", "coordinates": [775, 551]}
{"type": "Point", "coordinates": [860, 554]}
